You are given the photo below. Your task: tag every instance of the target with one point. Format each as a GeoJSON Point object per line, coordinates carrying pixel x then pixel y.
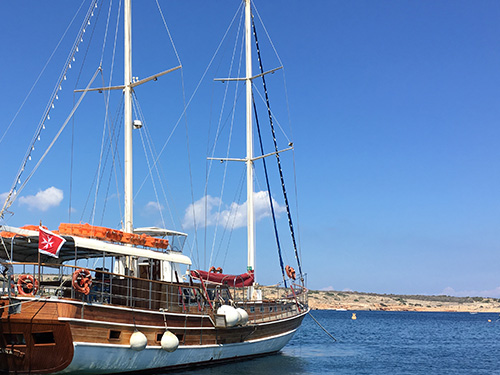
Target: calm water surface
{"type": "Point", "coordinates": [383, 343]}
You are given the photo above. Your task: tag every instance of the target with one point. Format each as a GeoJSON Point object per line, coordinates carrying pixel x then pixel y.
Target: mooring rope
{"type": "Point", "coordinates": [320, 326]}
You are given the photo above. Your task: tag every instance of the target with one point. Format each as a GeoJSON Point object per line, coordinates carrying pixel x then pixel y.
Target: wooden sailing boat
{"type": "Point", "coordinates": [59, 317]}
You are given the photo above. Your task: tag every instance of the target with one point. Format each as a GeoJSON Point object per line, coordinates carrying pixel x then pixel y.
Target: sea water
{"type": "Point", "coordinates": [379, 342]}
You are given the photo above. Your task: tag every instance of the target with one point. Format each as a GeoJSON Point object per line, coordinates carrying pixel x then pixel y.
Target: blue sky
{"type": "Point", "coordinates": [394, 111]}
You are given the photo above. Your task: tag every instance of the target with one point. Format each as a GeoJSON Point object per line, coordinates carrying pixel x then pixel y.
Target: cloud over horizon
{"type": "Point", "coordinates": [233, 215]}
{"type": "Point", "coordinates": [43, 200]}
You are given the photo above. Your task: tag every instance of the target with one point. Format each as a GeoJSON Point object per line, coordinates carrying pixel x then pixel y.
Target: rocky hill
{"type": "Point", "coordinates": [331, 300]}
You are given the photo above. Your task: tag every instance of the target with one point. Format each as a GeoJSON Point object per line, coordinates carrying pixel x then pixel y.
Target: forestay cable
{"type": "Point", "coordinates": [277, 153]}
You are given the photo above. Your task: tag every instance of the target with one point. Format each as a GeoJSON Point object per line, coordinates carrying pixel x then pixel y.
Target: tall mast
{"type": "Point", "coordinates": [249, 158]}
{"type": "Point", "coordinates": [128, 225]}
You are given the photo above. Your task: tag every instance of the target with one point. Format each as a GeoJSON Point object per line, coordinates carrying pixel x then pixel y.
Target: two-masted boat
{"type": "Point", "coordinates": [136, 303]}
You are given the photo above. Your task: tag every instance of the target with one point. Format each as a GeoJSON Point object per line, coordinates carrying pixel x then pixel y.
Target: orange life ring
{"type": "Point", "coordinates": [212, 269]}
{"type": "Point", "coordinates": [82, 280]}
{"type": "Point", "coordinates": [290, 272]}
{"type": "Point", "coordinates": [218, 270]}
{"type": "Point", "coordinates": [27, 285]}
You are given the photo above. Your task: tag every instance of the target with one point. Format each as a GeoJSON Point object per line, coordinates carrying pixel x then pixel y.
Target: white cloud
{"type": "Point", "coordinates": [153, 206]}
{"type": "Point", "coordinates": [493, 293]}
{"type": "Point", "coordinates": [210, 211]}
{"type": "Point", "coordinates": [44, 199]}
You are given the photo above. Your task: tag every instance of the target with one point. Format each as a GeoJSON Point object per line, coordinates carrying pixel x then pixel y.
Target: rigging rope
{"type": "Point", "coordinates": [41, 72]}
{"type": "Point", "coordinates": [150, 170]}
{"type": "Point", "coordinates": [270, 196]}
{"type": "Point", "coordinates": [277, 154]}
{"type": "Point", "coordinates": [289, 121]}
{"type": "Point", "coordinates": [233, 112]}
{"type": "Point", "coordinates": [106, 118]}
{"type": "Point", "coordinates": [53, 140]}
{"type": "Point", "coordinates": [13, 193]}
{"type": "Point", "coordinates": [157, 166]}
{"type": "Point", "coordinates": [114, 156]}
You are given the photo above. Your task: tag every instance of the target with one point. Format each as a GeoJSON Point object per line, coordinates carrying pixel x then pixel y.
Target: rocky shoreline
{"type": "Point", "coordinates": [337, 300]}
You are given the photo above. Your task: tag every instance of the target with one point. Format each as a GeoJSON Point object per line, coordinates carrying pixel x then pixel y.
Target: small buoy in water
{"type": "Point", "coordinates": [489, 320]}
{"type": "Point", "coordinates": [169, 341]}
{"type": "Point", "coordinates": [232, 316]}
{"type": "Point", "coordinates": [353, 317]}
{"type": "Point", "coordinates": [243, 316]}
{"type": "Point", "coordinates": [138, 341]}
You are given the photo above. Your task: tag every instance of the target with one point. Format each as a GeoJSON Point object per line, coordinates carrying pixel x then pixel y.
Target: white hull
{"type": "Point", "coordinates": [107, 359]}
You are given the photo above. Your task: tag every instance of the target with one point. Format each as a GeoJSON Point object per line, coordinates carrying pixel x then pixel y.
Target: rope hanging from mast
{"type": "Point", "coordinates": [277, 154]}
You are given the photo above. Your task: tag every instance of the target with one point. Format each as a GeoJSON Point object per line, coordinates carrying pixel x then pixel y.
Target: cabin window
{"type": "Point", "coordinates": [114, 335]}
{"type": "Point", "coordinates": [159, 336]}
{"type": "Point", "coordinates": [149, 269]}
{"type": "Point", "coordinates": [261, 308]}
{"type": "Point", "coordinates": [252, 309]}
{"type": "Point", "coordinates": [14, 339]}
{"type": "Point", "coordinates": [41, 338]}
{"type": "Point", "coordinates": [190, 297]}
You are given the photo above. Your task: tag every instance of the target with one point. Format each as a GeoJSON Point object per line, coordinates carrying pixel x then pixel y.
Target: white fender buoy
{"type": "Point", "coordinates": [232, 316]}
{"type": "Point", "coordinates": [243, 316]}
{"type": "Point", "coordinates": [138, 341]}
{"type": "Point", "coordinates": [169, 341]}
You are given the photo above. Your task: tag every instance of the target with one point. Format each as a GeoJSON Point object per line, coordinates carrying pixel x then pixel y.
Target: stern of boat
{"type": "Point", "coordinates": [32, 340]}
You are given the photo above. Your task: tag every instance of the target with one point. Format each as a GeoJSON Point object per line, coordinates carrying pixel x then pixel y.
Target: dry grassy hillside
{"type": "Point", "coordinates": [369, 301]}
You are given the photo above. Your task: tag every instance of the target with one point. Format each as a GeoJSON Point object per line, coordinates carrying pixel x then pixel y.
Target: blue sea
{"type": "Point", "coordinates": [380, 342]}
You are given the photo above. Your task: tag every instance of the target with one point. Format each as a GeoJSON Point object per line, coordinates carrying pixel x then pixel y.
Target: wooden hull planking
{"type": "Point", "coordinates": [69, 336]}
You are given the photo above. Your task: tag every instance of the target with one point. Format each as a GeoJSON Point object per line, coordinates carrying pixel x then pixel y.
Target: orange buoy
{"type": "Point", "coordinates": [82, 280]}
{"type": "Point", "coordinates": [27, 285]}
{"type": "Point", "coordinates": [290, 272]}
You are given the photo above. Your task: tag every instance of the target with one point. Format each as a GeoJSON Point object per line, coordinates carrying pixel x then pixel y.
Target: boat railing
{"type": "Point", "coordinates": [107, 288]}
{"type": "Point", "coordinates": [271, 302]}
{"type": "Point", "coordinates": [56, 280]}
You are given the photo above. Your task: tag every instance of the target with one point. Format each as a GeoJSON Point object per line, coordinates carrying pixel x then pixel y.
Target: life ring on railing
{"type": "Point", "coordinates": [82, 280]}
{"type": "Point", "coordinates": [215, 270]}
{"type": "Point", "coordinates": [27, 285]}
{"type": "Point", "coordinates": [290, 272]}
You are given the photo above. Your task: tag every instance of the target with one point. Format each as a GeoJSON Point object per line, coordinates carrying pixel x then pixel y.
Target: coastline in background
{"type": "Point", "coordinates": [337, 300]}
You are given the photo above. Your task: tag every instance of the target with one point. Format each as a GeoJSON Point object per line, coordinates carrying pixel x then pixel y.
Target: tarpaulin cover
{"type": "Point", "coordinates": [245, 279]}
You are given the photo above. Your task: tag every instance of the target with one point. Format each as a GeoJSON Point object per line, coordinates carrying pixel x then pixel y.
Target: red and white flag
{"type": "Point", "coordinates": [49, 243]}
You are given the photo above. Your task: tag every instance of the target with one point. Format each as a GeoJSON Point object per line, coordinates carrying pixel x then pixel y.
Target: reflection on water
{"type": "Point", "coordinates": [280, 363]}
